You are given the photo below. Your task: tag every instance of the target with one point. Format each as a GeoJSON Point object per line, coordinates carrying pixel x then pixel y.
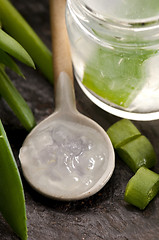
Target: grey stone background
{"type": "Point", "coordinates": [103, 216]}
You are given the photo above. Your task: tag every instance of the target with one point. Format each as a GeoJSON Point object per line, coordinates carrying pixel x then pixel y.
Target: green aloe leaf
{"type": "Point", "coordinates": [8, 61]}
{"type": "Point", "coordinates": [11, 46]}
{"type": "Point", "coordinates": [19, 29]}
{"type": "Point", "coordinates": [12, 201]}
{"type": "Point", "coordinates": [16, 101]}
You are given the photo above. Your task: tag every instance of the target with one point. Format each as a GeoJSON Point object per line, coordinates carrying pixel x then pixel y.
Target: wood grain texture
{"type": "Point", "coordinates": [104, 216]}
{"type": "Point", "coordinates": [60, 44]}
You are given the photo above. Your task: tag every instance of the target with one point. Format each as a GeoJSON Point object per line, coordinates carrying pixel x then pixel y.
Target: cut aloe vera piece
{"type": "Point", "coordinates": [122, 132]}
{"type": "Point", "coordinates": [137, 153]}
{"type": "Point", "coordinates": [12, 201]}
{"type": "Point", "coordinates": [115, 76]}
{"type": "Point", "coordinates": [142, 188]}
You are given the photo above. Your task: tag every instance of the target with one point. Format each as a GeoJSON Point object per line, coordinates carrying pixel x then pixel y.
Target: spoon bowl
{"type": "Point", "coordinates": [67, 156]}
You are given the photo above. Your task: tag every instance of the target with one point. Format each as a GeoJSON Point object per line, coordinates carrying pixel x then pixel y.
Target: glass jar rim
{"type": "Point", "coordinates": [124, 23]}
{"type": "Point", "coordinates": [111, 32]}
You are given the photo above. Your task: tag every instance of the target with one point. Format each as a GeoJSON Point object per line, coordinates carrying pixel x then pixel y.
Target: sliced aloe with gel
{"type": "Point", "coordinates": [12, 201]}
{"type": "Point", "coordinates": [116, 76]}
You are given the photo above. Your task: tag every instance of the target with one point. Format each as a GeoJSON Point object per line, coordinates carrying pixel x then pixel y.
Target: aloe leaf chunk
{"type": "Point", "coordinates": [116, 76]}
{"type": "Point", "coordinates": [121, 132]}
{"type": "Point", "coordinates": [16, 101]}
{"type": "Point", "coordinates": [11, 46]}
{"type": "Point", "coordinates": [142, 188]}
{"type": "Point", "coordinates": [12, 201]}
{"type": "Point", "coordinates": [137, 153]}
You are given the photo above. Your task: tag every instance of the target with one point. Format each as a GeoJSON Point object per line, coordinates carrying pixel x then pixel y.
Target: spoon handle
{"type": "Point", "coordinates": [62, 65]}
{"type": "Point", "coordinates": [60, 44]}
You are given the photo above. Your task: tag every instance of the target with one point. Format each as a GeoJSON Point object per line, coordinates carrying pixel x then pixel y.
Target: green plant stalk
{"type": "Point", "coordinates": [19, 29]}
{"type": "Point", "coordinates": [11, 46]}
{"type": "Point", "coordinates": [16, 101]}
{"type": "Point", "coordinates": [12, 201]}
{"type": "Point", "coordinates": [9, 62]}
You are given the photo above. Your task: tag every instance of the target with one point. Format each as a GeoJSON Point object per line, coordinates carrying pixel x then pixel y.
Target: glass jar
{"type": "Point", "coordinates": [115, 54]}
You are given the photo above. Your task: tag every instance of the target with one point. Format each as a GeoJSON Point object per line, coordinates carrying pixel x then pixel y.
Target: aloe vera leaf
{"type": "Point", "coordinates": [137, 153]}
{"type": "Point", "coordinates": [8, 61]}
{"type": "Point", "coordinates": [122, 132]}
{"type": "Point", "coordinates": [116, 77]}
{"type": "Point", "coordinates": [16, 101]}
{"type": "Point", "coordinates": [142, 188]}
{"type": "Point", "coordinates": [17, 27]}
{"type": "Point", "coordinates": [12, 201]}
{"type": "Point", "coordinates": [11, 46]}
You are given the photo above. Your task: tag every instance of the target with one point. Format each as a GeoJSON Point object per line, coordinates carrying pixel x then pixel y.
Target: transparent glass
{"type": "Point", "coordinates": [115, 54]}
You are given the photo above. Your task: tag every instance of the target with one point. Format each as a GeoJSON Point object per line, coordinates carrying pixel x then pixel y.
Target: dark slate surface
{"type": "Point", "coordinates": [103, 216]}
